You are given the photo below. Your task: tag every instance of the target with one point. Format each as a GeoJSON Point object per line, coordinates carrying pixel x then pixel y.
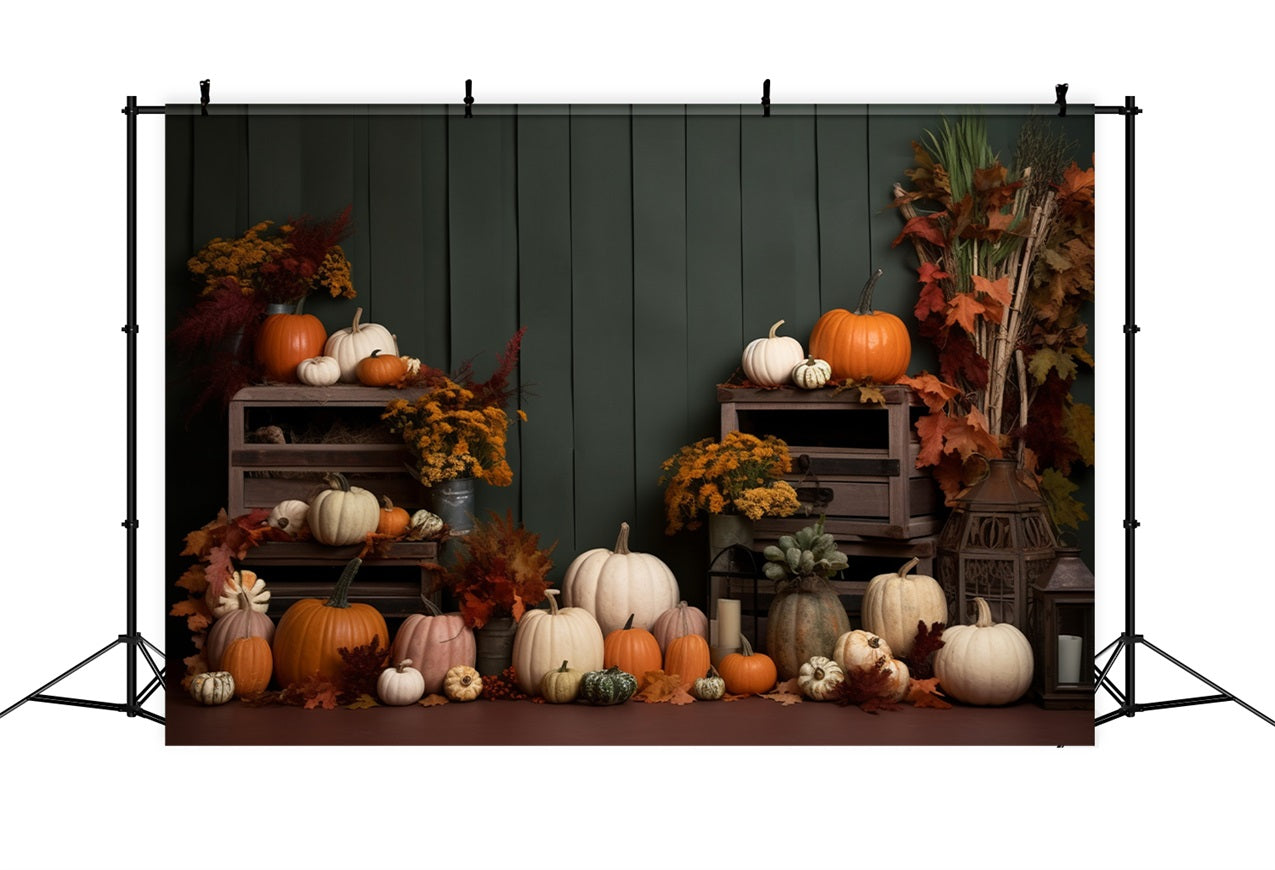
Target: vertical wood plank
{"type": "Point", "coordinates": [845, 257]}
{"type": "Point", "coordinates": [780, 221]}
{"type": "Point", "coordinates": [544, 280]}
{"type": "Point", "coordinates": [483, 242]}
{"type": "Point", "coordinates": [602, 323]}
{"type": "Point", "coordinates": [659, 310]}
{"type": "Point", "coordinates": [436, 343]}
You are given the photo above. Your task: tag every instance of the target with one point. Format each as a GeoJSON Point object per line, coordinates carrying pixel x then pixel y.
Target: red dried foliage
{"type": "Point", "coordinates": [288, 278]}
{"type": "Point", "coordinates": [362, 668]}
{"type": "Point", "coordinates": [870, 689]}
{"type": "Point", "coordinates": [928, 641]}
{"type": "Point", "coordinates": [502, 686]}
{"type": "Point", "coordinates": [500, 571]}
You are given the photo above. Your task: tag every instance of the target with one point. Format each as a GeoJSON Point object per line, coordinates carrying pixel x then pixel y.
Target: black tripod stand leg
{"type": "Point", "coordinates": [147, 714]}
{"type": "Point", "coordinates": [159, 674]}
{"type": "Point", "coordinates": [35, 696]}
{"type": "Point", "coordinates": [159, 652]}
{"type": "Point", "coordinates": [1224, 696]}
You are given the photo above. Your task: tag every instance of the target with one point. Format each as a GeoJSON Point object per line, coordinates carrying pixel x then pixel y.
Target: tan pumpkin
{"type": "Point", "coordinates": [544, 638]}
{"type": "Point", "coordinates": [436, 643]}
{"type": "Point", "coordinates": [894, 603]}
{"type": "Point", "coordinates": [860, 650]}
{"type": "Point", "coordinates": [612, 584]}
{"type": "Point", "coordinates": [818, 678]}
{"type": "Point", "coordinates": [343, 514]}
{"type": "Point", "coordinates": [355, 343]}
{"type": "Point", "coordinates": [561, 686]}
{"type": "Point", "coordinates": [243, 621]}
{"type": "Point", "coordinates": [228, 601]}
{"type": "Point", "coordinates": [677, 621]}
{"type": "Point", "coordinates": [400, 685]}
{"type": "Point", "coordinates": [462, 683]}
{"type": "Point", "coordinates": [769, 361]}
{"type": "Point", "coordinates": [212, 687]}
{"type": "Point", "coordinates": [985, 663]}
{"type": "Point", "coordinates": [250, 661]}
{"type": "Point", "coordinates": [900, 680]}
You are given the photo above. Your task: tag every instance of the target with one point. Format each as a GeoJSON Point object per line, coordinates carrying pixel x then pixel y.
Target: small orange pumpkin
{"type": "Point", "coordinates": [632, 649]}
{"type": "Point", "coordinates": [250, 662]}
{"type": "Point", "coordinates": [687, 656]}
{"type": "Point", "coordinates": [287, 340]}
{"type": "Point", "coordinates": [864, 344]}
{"type": "Point", "coordinates": [747, 672]}
{"type": "Point", "coordinates": [391, 520]}
{"type": "Point", "coordinates": [380, 370]}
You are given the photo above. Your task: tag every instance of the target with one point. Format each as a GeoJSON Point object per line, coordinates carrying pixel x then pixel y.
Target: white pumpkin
{"type": "Point", "coordinates": [423, 523]}
{"type": "Point", "coordinates": [355, 343]}
{"type": "Point", "coordinates": [860, 650]}
{"type": "Point", "coordinates": [545, 639]}
{"type": "Point", "coordinates": [769, 361]}
{"type": "Point", "coordinates": [319, 371]}
{"type": "Point", "coordinates": [811, 373]}
{"type": "Point", "coordinates": [343, 514]}
{"type": "Point", "coordinates": [986, 663]}
{"type": "Point", "coordinates": [894, 603]}
{"type": "Point", "coordinates": [242, 581]}
{"type": "Point", "coordinates": [819, 678]}
{"type": "Point", "coordinates": [900, 679]}
{"type": "Point", "coordinates": [400, 685]}
{"type": "Point", "coordinates": [611, 584]}
{"type": "Point", "coordinates": [212, 687]}
{"type": "Point", "coordinates": [289, 515]}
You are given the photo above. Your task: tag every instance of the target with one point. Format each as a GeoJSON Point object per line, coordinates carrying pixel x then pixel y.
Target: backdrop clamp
{"type": "Point", "coordinates": [765, 98]}
{"type": "Point", "coordinates": [469, 98]}
{"type": "Point", "coordinates": [1061, 99]}
{"type": "Point", "coordinates": [204, 85]}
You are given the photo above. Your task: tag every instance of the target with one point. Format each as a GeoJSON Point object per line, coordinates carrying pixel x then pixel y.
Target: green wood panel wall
{"type": "Point", "coordinates": [641, 247]}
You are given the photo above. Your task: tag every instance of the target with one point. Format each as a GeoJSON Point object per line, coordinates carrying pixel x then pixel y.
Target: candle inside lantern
{"type": "Point", "coordinates": [1069, 658]}
{"type": "Point", "coordinates": [728, 623]}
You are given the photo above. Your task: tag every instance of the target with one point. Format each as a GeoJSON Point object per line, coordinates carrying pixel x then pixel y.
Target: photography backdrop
{"type": "Point", "coordinates": [642, 246]}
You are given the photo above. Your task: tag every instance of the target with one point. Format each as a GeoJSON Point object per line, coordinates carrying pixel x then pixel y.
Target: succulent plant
{"type": "Point", "coordinates": [807, 554]}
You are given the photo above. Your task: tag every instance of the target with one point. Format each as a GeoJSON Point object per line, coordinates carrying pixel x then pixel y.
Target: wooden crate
{"type": "Point", "coordinates": [263, 474]}
{"type": "Point", "coordinates": [392, 597]}
{"type": "Point", "coordinates": [856, 460]}
{"type": "Point", "coordinates": [867, 557]}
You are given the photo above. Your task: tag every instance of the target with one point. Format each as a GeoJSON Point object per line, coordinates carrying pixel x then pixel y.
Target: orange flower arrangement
{"type": "Point", "coordinates": [741, 474]}
{"type": "Point", "coordinates": [452, 434]}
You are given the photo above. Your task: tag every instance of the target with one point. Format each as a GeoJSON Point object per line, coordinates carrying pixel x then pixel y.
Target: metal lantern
{"type": "Point", "coordinates": [1062, 618]}
{"type": "Point", "coordinates": [997, 543]}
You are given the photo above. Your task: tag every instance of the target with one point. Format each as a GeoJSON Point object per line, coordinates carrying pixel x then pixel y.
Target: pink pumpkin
{"type": "Point", "coordinates": [678, 621]}
{"type": "Point", "coordinates": [242, 622]}
{"type": "Point", "coordinates": [435, 642]}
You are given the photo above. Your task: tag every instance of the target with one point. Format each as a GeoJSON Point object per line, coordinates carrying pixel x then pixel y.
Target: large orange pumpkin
{"type": "Point", "coordinates": [287, 340]}
{"type": "Point", "coordinates": [632, 649]}
{"type": "Point", "coordinates": [312, 631]}
{"type": "Point", "coordinates": [864, 344]}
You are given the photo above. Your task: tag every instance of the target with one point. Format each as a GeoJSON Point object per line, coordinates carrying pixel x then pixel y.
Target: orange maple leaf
{"type": "Point", "coordinates": [932, 297]}
{"type": "Point", "coordinates": [196, 612]}
{"type": "Point", "coordinates": [969, 435]}
{"type": "Point", "coordinates": [925, 693]}
{"type": "Point", "coordinates": [963, 308]}
{"type": "Point", "coordinates": [432, 700]}
{"type": "Point", "coordinates": [924, 227]}
{"type": "Point", "coordinates": [658, 686]}
{"type": "Point", "coordinates": [931, 429]}
{"type": "Point", "coordinates": [930, 390]}
{"type": "Point", "coordinates": [194, 580]}
{"type": "Point", "coordinates": [681, 697]}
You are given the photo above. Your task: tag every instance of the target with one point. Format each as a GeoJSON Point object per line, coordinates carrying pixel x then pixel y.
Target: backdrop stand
{"type": "Point", "coordinates": [131, 640]}
{"type": "Point", "coordinates": [1129, 640]}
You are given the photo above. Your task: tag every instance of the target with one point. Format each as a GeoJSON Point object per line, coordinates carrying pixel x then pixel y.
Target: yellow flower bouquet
{"type": "Point", "coordinates": [451, 433]}
{"type": "Point", "coordinates": [741, 474]}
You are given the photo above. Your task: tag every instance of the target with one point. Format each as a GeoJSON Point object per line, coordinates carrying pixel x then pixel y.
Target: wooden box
{"type": "Point", "coordinates": [335, 428]}
{"type": "Point", "coordinates": [855, 461]}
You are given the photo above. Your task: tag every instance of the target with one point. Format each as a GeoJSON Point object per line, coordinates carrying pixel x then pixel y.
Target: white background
{"type": "Point", "coordinates": [1179, 788]}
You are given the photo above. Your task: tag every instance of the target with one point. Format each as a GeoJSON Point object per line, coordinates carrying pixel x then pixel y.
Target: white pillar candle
{"type": "Point", "coordinates": [1069, 658]}
{"type": "Point", "coordinates": [728, 623]}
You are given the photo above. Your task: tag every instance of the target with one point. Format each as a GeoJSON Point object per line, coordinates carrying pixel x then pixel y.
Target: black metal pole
{"type": "Point", "coordinates": [130, 328]}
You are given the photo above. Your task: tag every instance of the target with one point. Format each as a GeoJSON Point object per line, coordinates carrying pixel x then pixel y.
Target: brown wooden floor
{"type": "Point", "coordinates": [751, 721]}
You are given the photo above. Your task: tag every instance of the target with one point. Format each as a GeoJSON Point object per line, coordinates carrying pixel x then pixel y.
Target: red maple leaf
{"type": "Point", "coordinates": [924, 227]}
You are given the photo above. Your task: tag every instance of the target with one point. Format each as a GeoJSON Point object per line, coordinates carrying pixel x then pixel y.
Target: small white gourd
{"type": "Point", "coordinates": [400, 685]}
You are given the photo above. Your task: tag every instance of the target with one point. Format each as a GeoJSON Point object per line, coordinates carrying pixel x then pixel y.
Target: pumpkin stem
{"type": "Point", "coordinates": [300, 305]}
{"type": "Point", "coordinates": [563, 669]}
{"type": "Point", "coordinates": [773, 328]}
{"type": "Point", "coordinates": [389, 505]}
{"type": "Point", "coordinates": [628, 623]}
{"type": "Point", "coordinates": [909, 566]}
{"type": "Point", "coordinates": [341, 592]}
{"type": "Point", "coordinates": [405, 663]}
{"type": "Point", "coordinates": [434, 609]}
{"type": "Point", "coordinates": [622, 542]}
{"type": "Point", "coordinates": [244, 603]}
{"type": "Point", "coordinates": [337, 480]}
{"type": "Point", "coordinates": [746, 648]}
{"type": "Point", "coordinates": [865, 298]}
{"type": "Point", "coordinates": [354, 327]}
{"type": "Point", "coordinates": [374, 353]}
{"type": "Point", "coordinates": [984, 614]}
{"type": "Point", "coordinates": [874, 642]}
{"type": "Point", "coordinates": [552, 595]}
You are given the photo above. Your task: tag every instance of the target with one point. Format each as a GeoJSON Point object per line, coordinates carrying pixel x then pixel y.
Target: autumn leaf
{"type": "Point", "coordinates": [932, 298]}
{"type": "Point", "coordinates": [925, 693]}
{"type": "Point", "coordinates": [198, 617]}
{"type": "Point", "coordinates": [361, 668]}
{"type": "Point", "coordinates": [433, 700]}
{"type": "Point", "coordinates": [315, 692]}
{"type": "Point", "coordinates": [930, 390]}
{"type": "Point", "coordinates": [221, 565]}
{"type": "Point", "coordinates": [363, 702]}
{"type": "Point", "coordinates": [927, 642]}
{"type": "Point", "coordinates": [1044, 359]}
{"type": "Point", "coordinates": [924, 227]}
{"type": "Point", "coordinates": [658, 686]}
{"type": "Point", "coordinates": [681, 697]}
{"type": "Point", "coordinates": [194, 580]}
{"type": "Point", "coordinates": [1078, 422]}
{"type": "Point", "coordinates": [729, 697]}
{"type": "Point", "coordinates": [930, 430]}
{"type": "Point", "coordinates": [1057, 491]}
{"type": "Point", "coordinates": [963, 308]}
{"type": "Point", "coordinates": [786, 699]}
{"type": "Point", "coordinates": [871, 395]}
{"type": "Point", "coordinates": [867, 688]}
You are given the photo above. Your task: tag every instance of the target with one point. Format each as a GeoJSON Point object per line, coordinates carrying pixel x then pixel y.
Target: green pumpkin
{"type": "Point", "coordinates": [612, 686]}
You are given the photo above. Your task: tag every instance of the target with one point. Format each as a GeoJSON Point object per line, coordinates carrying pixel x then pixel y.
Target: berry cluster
{"type": "Point", "coordinates": [502, 686]}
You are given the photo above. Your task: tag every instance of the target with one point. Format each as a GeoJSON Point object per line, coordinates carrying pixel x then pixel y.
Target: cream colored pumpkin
{"type": "Point", "coordinates": [343, 514]}
{"type": "Point", "coordinates": [819, 678]}
{"type": "Point", "coordinates": [545, 639]}
{"type": "Point", "coordinates": [355, 343]}
{"type": "Point", "coordinates": [611, 584]}
{"type": "Point", "coordinates": [986, 663]}
{"type": "Point", "coordinates": [561, 686]}
{"type": "Point", "coordinates": [894, 603]}
{"type": "Point", "coordinates": [462, 683]}
{"type": "Point", "coordinates": [860, 650]}
{"type": "Point", "coordinates": [212, 687]}
{"type": "Point", "coordinates": [319, 371]}
{"type": "Point", "coordinates": [900, 679]}
{"type": "Point", "coordinates": [244, 581]}
{"type": "Point", "coordinates": [400, 685]}
{"type": "Point", "coordinates": [425, 523]}
{"type": "Point", "coordinates": [289, 515]}
{"type": "Point", "coordinates": [769, 361]}
{"type": "Point", "coordinates": [811, 374]}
